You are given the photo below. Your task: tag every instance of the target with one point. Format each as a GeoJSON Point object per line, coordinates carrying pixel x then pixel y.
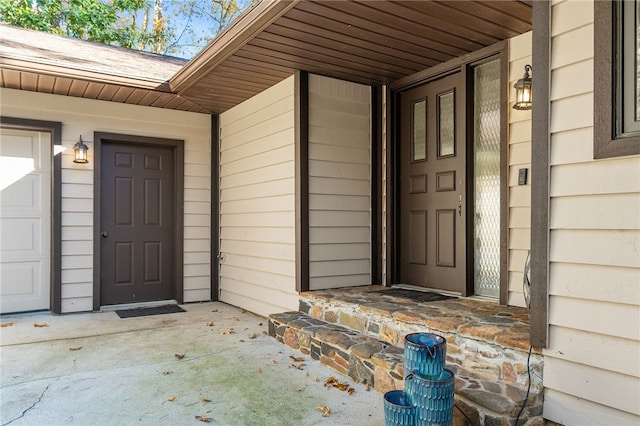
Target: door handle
{"type": "Point", "coordinates": [104, 234]}
{"type": "Point", "coordinates": [459, 205]}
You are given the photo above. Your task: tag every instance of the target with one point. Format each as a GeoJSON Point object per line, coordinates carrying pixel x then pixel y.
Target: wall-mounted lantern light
{"type": "Point", "coordinates": [80, 152]}
{"type": "Point", "coordinates": [523, 91]}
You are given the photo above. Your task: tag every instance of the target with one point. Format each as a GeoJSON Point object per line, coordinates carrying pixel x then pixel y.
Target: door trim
{"type": "Point", "coordinates": [178, 252]}
{"type": "Point", "coordinates": [215, 206]}
{"type": "Point", "coordinates": [463, 63]}
{"type": "Point", "coordinates": [55, 129]}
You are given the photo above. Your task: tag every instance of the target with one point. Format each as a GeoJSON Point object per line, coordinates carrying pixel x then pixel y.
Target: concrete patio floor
{"type": "Point", "coordinates": [99, 369]}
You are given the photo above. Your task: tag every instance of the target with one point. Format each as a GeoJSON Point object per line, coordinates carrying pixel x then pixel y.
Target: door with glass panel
{"type": "Point", "coordinates": [432, 249]}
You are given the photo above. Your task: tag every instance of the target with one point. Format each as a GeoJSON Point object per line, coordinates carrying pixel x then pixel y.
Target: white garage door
{"type": "Point", "coordinates": [25, 220]}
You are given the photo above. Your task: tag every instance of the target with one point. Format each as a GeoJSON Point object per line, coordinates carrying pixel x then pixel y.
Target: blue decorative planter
{"type": "Point", "coordinates": [433, 398]}
{"type": "Point", "coordinates": [425, 354]}
{"type": "Point", "coordinates": [398, 410]}
{"type": "Point", "coordinates": [427, 399]}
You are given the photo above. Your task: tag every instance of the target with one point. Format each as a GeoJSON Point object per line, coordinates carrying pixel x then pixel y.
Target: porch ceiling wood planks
{"type": "Point", "coordinates": [364, 41]}
{"type": "Point", "coordinates": [42, 62]}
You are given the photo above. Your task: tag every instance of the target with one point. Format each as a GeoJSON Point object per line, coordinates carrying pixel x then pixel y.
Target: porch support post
{"type": "Point", "coordinates": [540, 176]}
{"type": "Point", "coordinates": [215, 203]}
{"type": "Point", "coordinates": [301, 100]}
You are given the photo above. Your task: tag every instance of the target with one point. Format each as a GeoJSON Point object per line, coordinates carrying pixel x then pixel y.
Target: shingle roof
{"type": "Point", "coordinates": [34, 60]}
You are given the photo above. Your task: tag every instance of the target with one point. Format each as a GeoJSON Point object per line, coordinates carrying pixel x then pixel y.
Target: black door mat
{"type": "Point", "coordinates": [418, 296]}
{"type": "Point", "coordinates": [143, 312]}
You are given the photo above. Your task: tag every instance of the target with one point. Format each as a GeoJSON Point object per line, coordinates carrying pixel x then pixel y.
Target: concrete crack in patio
{"type": "Point", "coordinates": [84, 336]}
{"type": "Point", "coordinates": [31, 407]}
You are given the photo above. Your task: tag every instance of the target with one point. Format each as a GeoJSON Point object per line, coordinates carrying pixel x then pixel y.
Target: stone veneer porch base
{"type": "Point", "coordinates": [360, 334]}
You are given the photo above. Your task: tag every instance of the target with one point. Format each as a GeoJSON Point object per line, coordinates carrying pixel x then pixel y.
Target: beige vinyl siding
{"type": "Point", "coordinates": [84, 117]}
{"type": "Point", "coordinates": [257, 202]}
{"type": "Point", "coordinates": [591, 367]}
{"type": "Point", "coordinates": [339, 183]}
{"type": "Point", "coordinates": [519, 154]}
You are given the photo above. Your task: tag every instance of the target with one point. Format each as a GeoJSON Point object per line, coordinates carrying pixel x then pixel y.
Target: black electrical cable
{"type": "Point", "coordinates": [464, 414]}
{"type": "Point", "coordinates": [526, 398]}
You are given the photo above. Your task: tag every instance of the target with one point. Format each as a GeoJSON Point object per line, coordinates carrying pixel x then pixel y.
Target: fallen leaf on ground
{"type": "Point", "coordinates": [77, 348]}
{"type": "Point", "coordinates": [41, 324]}
{"type": "Point", "coordinates": [333, 382]}
{"type": "Point", "coordinates": [179, 356]}
{"type": "Point", "coordinates": [326, 411]}
{"type": "Point", "coordinates": [274, 362]}
{"type": "Point", "coordinates": [253, 336]}
{"type": "Point", "coordinates": [204, 398]}
{"type": "Point", "coordinates": [210, 324]}
{"type": "Point", "coordinates": [264, 332]}
{"type": "Point", "coordinates": [244, 311]}
{"type": "Point", "coordinates": [6, 324]}
{"type": "Point", "coordinates": [298, 366]}
{"type": "Point", "coordinates": [166, 373]}
{"type": "Point", "coordinates": [330, 381]}
{"type": "Point", "coordinates": [259, 370]}
{"type": "Point", "coordinates": [173, 398]}
{"type": "Point", "coordinates": [229, 331]}
{"type": "Point", "coordinates": [351, 391]}
{"type": "Point", "coordinates": [241, 340]}
{"type": "Point", "coordinates": [215, 310]}
{"type": "Point", "coordinates": [296, 359]}
{"type": "Point", "coordinates": [204, 419]}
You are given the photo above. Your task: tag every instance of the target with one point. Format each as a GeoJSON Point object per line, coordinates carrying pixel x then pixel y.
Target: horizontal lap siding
{"type": "Point", "coordinates": [84, 117]}
{"type": "Point", "coordinates": [257, 202]}
{"type": "Point", "coordinates": [591, 367]}
{"type": "Point", "coordinates": [519, 196]}
{"type": "Point", "coordinates": [339, 183]}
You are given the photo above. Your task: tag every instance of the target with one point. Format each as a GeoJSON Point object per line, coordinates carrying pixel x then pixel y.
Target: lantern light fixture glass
{"type": "Point", "coordinates": [80, 152]}
{"type": "Point", "coordinates": [523, 91]}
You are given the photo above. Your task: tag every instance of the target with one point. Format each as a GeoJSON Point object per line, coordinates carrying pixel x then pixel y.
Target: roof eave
{"type": "Point", "coordinates": [75, 73]}
{"type": "Point", "coordinates": [230, 41]}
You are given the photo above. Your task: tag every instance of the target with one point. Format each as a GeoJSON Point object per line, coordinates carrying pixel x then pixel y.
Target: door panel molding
{"type": "Point", "coordinates": [445, 234]}
{"type": "Point", "coordinates": [177, 208]}
{"type": "Point", "coordinates": [418, 247]}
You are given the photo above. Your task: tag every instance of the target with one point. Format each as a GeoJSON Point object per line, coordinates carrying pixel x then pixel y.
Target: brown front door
{"type": "Point", "coordinates": [432, 186]}
{"type": "Point", "coordinates": [137, 223]}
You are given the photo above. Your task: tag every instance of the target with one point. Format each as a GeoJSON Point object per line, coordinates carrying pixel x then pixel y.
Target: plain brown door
{"type": "Point", "coordinates": [137, 198]}
{"type": "Point", "coordinates": [432, 186]}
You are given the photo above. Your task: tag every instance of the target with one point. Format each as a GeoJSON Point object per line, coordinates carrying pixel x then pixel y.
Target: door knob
{"type": "Point", "coordinates": [104, 234]}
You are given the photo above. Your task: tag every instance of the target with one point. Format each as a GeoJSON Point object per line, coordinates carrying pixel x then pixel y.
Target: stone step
{"type": "Point", "coordinates": [488, 340]}
{"type": "Point", "coordinates": [380, 365]}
